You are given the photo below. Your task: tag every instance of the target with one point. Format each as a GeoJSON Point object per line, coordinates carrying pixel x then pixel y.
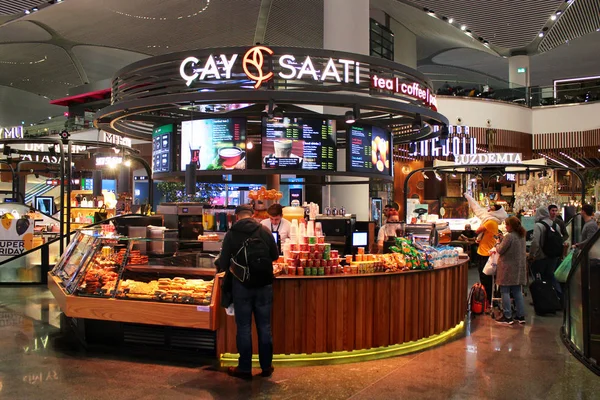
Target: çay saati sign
{"type": "Point", "coordinates": [488, 159]}
{"type": "Point", "coordinates": [294, 67]}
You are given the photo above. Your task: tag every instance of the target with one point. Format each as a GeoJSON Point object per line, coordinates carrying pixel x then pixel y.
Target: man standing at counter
{"type": "Point", "coordinates": [254, 294]}
{"type": "Point", "coordinates": [277, 224]}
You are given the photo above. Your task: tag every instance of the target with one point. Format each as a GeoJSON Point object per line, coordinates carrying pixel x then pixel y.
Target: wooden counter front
{"type": "Point", "coordinates": [354, 312]}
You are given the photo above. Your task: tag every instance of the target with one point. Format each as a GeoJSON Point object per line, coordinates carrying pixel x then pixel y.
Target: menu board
{"type": "Point", "coordinates": [299, 143]}
{"type": "Point", "coordinates": [162, 143]}
{"type": "Point", "coordinates": [214, 144]}
{"type": "Point", "coordinates": [369, 149]}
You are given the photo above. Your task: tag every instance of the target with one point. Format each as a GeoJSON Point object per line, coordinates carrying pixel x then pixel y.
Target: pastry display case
{"type": "Point", "coordinates": [128, 274]}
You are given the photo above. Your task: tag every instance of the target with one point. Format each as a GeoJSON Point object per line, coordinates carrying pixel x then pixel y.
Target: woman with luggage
{"type": "Point", "coordinates": [511, 272]}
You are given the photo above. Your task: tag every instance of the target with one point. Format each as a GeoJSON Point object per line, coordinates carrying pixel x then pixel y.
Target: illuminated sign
{"type": "Point", "coordinates": [488, 158]}
{"type": "Point", "coordinates": [16, 132]}
{"type": "Point", "coordinates": [220, 67]}
{"type": "Point", "coordinates": [115, 139]}
{"type": "Point", "coordinates": [463, 143]}
{"type": "Point", "coordinates": [410, 89]}
{"type": "Point", "coordinates": [511, 177]}
{"type": "Point", "coordinates": [521, 70]}
{"type": "Point", "coordinates": [41, 152]}
{"type": "Point", "coordinates": [104, 161]}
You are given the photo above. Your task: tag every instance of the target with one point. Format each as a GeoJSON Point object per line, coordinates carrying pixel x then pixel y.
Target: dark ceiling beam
{"type": "Point", "coordinates": [262, 20]}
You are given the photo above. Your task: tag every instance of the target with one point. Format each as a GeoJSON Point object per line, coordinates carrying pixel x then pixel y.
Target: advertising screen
{"type": "Point", "coordinates": [299, 143]}
{"type": "Point", "coordinates": [162, 145]}
{"type": "Point", "coordinates": [369, 149]}
{"type": "Point", "coordinates": [214, 144]}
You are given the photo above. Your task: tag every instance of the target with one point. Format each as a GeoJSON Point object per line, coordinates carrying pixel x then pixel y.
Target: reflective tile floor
{"type": "Point", "coordinates": [490, 362]}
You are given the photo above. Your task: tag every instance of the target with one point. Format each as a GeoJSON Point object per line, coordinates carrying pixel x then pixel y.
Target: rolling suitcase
{"type": "Point", "coordinates": [545, 299]}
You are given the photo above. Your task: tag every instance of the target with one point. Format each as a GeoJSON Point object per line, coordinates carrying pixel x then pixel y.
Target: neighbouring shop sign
{"type": "Point", "coordinates": [104, 161]}
{"type": "Point", "coordinates": [116, 139]}
{"type": "Point", "coordinates": [488, 158]}
{"type": "Point", "coordinates": [16, 132]}
{"type": "Point", "coordinates": [459, 143]}
{"type": "Point", "coordinates": [41, 152]}
{"type": "Point", "coordinates": [410, 89]}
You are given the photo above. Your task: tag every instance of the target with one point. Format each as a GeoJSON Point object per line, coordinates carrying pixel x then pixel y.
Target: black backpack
{"type": "Point", "coordinates": [553, 241]}
{"type": "Point", "coordinates": [252, 264]}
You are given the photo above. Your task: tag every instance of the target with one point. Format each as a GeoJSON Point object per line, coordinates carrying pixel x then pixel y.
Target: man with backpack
{"type": "Point", "coordinates": [251, 250]}
{"type": "Point", "coordinates": [546, 246]}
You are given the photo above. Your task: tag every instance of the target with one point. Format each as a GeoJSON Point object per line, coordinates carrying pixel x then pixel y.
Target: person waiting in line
{"type": "Point", "coordinates": [388, 231]}
{"type": "Point", "coordinates": [542, 263]}
{"type": "Point", "coordinates": [254, 296]}
{"type": "Point", "coordinates": [590, 225]}
{"type": "Point", "coordinates": [511, 272]}
{"type": "Point", "coordinates": [556, 217]}
{"type": "Point", "coordinates": [276, 223]}
{"type": "Point", "coordinates": [469, 235]}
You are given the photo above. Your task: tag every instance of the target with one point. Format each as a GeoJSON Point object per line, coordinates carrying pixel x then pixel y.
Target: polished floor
{"type": "Point", "coordinates": [489, 362]}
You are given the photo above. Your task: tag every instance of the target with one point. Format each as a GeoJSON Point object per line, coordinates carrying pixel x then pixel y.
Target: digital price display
{"type": "Point", "coordinates": [299, 143]}
{"type": "Point", "coordinates": [369, 150]}
{"type": "Point", "coordinates": [162, 146]}
{"type": "Point", "coordinates": [214, 144]}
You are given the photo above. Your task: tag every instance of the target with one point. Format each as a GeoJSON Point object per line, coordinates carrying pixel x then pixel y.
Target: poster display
{"type": "Point", "coordinates": [369, 150]}
{"type": "Point", "coordinates": [214, 144]}
{"type": "Point", "coordinates": [162, 146]}
{"type": "Point", "coordinates": [16, 235]}
{"type": "Point", "coordinates": [299, 143]}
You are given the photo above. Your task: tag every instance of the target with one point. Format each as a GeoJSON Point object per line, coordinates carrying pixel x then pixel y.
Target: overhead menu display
{"type": "Point", "coordinates": [214, 144]}
{"type": "Point", "coordinates": [369, 149]}
{"type": "Point", "coordinates": [162, 139]}
{"type": "Point", "coordinates": [299, 143]}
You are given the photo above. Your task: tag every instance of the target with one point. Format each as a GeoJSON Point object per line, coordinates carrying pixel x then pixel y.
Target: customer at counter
{"type": "Point", "coordinates": [277, 224]}
{"type": "Point", "coordinates": [387, 233]}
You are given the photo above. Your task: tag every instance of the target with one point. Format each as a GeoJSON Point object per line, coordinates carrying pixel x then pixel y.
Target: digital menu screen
{"type": "Point", "coordinates": [368, 150]}
{"type": "Point", "coordinates": [162, 145]}
{"type": "Point", "coordinates": [214, 144]}
{"type": "Point", "coordinates": [299, 143]}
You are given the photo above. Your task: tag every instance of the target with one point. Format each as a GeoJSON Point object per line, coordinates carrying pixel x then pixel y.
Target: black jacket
{"type": "Point", "coordinates": [239, 232]}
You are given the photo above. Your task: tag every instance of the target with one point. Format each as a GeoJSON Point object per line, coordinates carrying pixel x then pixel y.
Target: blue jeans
{"type": "Point", "coordinates": [246, 302]}
{"type": "Point", "coordinates": [515, 290]}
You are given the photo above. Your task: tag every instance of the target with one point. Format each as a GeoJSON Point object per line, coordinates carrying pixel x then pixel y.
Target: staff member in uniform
{"type": "Point", "coordinates": [276, 223]}
{"type": "Point", "coordinates": [387, 233]}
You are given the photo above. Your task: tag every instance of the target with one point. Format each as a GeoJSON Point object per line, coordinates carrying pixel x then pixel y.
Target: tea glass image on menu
{"type": "Point", "coordinates": [214, 144]}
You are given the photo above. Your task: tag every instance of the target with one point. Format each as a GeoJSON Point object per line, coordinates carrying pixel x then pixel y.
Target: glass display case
{"type": "Point", "coordinates": [106, 265]}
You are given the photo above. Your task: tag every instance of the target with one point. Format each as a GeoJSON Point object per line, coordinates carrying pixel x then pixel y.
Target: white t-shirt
{"type": "Point", "coordinates": [283, 229]}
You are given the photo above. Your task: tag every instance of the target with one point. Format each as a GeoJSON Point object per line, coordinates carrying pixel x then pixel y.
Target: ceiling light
{"type": "Point", "coordinates": [250, 146]}
{"type": "Point", "coordinates": [49, 117]}
{"type": "Point", "coordinates": [558, 12]}
{"type": "Point", "coordinates": [278, 114]}
{"type": "Point", "coordinates": [431, 12]}
{"type": "Point", "coordinates": [463, 27]}
{"type": "Point", "coordinates": [553, 17]}
{"type": "Point", "coordinates": [127, 163]}
{"type": "Point", "coordinates": [34, 9]}
{"type": "Point", "coordinates": [451, 20]}
{"type": "Point", "coordinates": [27, 12]}
{"type": "Point", "coordinates": [350, 117]}
{"type": "Point", "coordinates": [424, 175]}
{"type": "Point", "coordinates": [437, 176]}
{"type": "Point", "coordinates": [541, 34]}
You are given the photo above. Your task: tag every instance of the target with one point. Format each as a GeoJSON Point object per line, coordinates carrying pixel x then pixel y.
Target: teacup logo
{"type": "Point", "coordinates": [255, 59]}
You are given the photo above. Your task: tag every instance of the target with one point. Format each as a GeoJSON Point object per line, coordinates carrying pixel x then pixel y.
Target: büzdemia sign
{"type": "Point", "coordinates": [260, 64]}
{"type": "Point", "coordinates": [488, 159]}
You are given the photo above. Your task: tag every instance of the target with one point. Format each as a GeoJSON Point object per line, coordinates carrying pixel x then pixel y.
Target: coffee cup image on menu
{"type": "Point", "coordinates": [230, 156]}
{"type": "Point", "coordinates": [282, 152]}
{"type": "Point", "coordinates": [283, 148]}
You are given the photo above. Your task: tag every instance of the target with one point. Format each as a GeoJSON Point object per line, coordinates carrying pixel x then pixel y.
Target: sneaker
{"type": "Point", "coordinates": [266, 373]}
{"type": "Point", "coordinates": [520, 320]}
{"type": "Point", "coordinates": [505, 321]}
{"type": "Point", "coordinates": [235, 372]}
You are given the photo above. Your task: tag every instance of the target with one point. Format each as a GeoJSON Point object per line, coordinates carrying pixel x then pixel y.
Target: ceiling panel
{"type": "Point", "coordinates": [295, 23]}
{"type": "Point", "coordinates": [42, 69]}
{"type": "Point", "coordinates": [23, 31]}
{"type": "Point", "coordinates": [101, 63]}
{"type": "Point", "coordinates": [581, 18]}
{"type": "Point", "coordinates": [504, 23]}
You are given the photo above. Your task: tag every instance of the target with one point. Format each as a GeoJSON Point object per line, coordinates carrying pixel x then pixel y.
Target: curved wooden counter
{"type": "Point", "coordinates": [355, 312]}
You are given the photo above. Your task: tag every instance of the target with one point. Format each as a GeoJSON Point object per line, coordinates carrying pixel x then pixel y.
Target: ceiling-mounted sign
{"type": "Point", "coordinates": [521, 70]}
{"type": "Point", "coordinates": [459, 142]}
{"type": "Point", "coordinates": [109, 160]}
{"type": "Point", "coordinates": [16, 132]}
{"type": "Point", "coordinates": [116, 139]}
{"type": "Point", "coordinates": [253, 63]}
{"type": "Point", "coordinates": [488, 159]}
{"type": "Point", "coordinates": [410, 89]}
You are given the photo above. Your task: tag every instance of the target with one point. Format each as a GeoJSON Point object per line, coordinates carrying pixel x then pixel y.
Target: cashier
{"type": "Point", "coordinates": [388, 232]}
{"type": "Point", "coordinates": [276, 223]}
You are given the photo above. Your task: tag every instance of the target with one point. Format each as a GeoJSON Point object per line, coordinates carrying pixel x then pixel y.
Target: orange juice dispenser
{"type": "Point", "coordinates": [208, 219]}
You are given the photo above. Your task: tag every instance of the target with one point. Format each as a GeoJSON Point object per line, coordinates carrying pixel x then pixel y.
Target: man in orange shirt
{"type": "Point", "coordinates": [490, 232]}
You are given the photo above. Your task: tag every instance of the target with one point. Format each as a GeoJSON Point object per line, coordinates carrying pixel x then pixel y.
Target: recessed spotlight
{"type": "Point", "coordinates": [27, 12]}
{"type": "Point", "coordinates": [451, 20]}
{"type": "Point", "coordinates": [558, 12]}
{"type": "Point", "coordinates": [541, 34]}
{"type": "Point", "coordinates": [463, 27]}
{"type": "Point", "coordinates": [34, 9]}
{"type": "Point", "coordinates": [431, 12]}
{"type": "Point", "coordinates": [553, 17]}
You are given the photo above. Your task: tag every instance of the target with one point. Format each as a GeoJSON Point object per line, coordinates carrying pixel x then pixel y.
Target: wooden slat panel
{"type": "Point", "coordinates": [360, 314]}
{"type": "Point", "coordinates": [321, 316]}
{"type": "Point", "coordinates": [309, 326]}
{"type": "Point", "coordinates": [415, 306]}
{"type": "Point", "coordinates": [278, 319]}
{"type": "Point", "coordinates": [369, 310]}
{"type": "Point", "coordinates": [408, 310]}
{"type": "Point", "coordinates": [349, 315]}
{"type": "Point", "coordinates": [338, 307]}
{"type": "Point", "coordinates": [381, 314]}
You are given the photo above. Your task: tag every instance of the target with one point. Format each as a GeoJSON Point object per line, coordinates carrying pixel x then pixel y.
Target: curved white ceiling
{"type": "Point", "coordinates": [23, 31]}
